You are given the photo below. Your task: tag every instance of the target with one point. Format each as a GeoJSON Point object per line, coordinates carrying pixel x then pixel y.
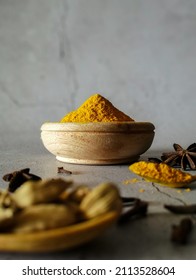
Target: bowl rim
{"type": "Point", "coordinates": [98, 126]}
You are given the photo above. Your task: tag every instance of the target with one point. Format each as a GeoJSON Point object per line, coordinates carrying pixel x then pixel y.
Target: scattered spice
{"type": "Point", "coordinates": [130, 181]}
{"type": "Point", "coordinates": [17, 178]}
{"type": "Point", "coordinates": [96, 109]}
{"type": "Point", "coordinates": [184, 158]}
{"type": "Point", "coordinates": [181, 232]}
{"type": "Point", "coordinates": [133, 207]}
{"type": "Point", "coordinates": [64, 171]}
{"type": "Point", "coordinates": [181, 209]}
{"type": "Point", "coordinates": [161, 173]}
{"type": "Point", "coordinates": [179, 191]}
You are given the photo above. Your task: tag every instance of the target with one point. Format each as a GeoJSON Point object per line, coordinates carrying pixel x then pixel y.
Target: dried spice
{"type": "Point", "coordinates": [6, 200]}
{"type": "Point", "coordinates": [161, 173]}
{"type": "Point", "coordinates": [180, 233]}
{"type": "Point", "coordinates": [79, 193]}
{"type": "Point", "coordinates": [181, 209]}
{"type": "Point", "coordinates": [130, 181]}
{"type": "Point", "coordinates": [17, 178]}
{"type": "Point", "coordinates": [102, 199]}
{"type": "Point", "coordinates": [43, 216]}
{"type": "Point", "coordinates": [6, 217]}
{"type": "Point", "coordinates": [36, 192]}
{"type": "Point", "coordinates": [62, 170]}
{"type": "Point", "coordinates": [96, 109]}
{"type": "Point", "coordinates": [52, 203]}
{"type": "Point", "coordinates": [7, 208]}
{"type": "Point", "coordinates": [184, 158]}
{"type": "Point", "coordinates": [132, 208]}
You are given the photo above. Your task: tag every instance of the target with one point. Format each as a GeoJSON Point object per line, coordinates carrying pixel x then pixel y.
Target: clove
{"type": "Point", "coordinates": [181, 232]}
{"type": "Point", "coordinates": [17, 178]}
{"type": "Point", "coordinates": [133, 207]}
{"type": "Point", "coordinates": [62, 170]}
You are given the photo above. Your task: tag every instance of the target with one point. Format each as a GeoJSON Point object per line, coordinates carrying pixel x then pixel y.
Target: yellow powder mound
{"type": "Point", "coordinates": [96, 109]}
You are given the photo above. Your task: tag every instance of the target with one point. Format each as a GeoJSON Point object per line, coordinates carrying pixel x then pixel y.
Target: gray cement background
{"type": "Point", "coordinates": [141, 55]}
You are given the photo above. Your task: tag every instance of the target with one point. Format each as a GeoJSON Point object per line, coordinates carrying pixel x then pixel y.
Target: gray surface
{"type": "Point", "coordinates": [143, 238]}
{"type": "Point", "coordinates": [140, 55]}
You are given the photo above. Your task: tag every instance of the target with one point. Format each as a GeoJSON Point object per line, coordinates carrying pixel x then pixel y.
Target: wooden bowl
{"type": "Point", "coordinates": [97, 143]}
{"type": "Point", "coordinates": [58, 239]}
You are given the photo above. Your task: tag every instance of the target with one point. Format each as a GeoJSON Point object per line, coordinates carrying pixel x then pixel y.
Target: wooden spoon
{"type": "Point", "coordinates": [170, 184]}
{"type": "Point", "coordinates": [58, 239]}
{"type": "Point", "coordinates": [163, 174]}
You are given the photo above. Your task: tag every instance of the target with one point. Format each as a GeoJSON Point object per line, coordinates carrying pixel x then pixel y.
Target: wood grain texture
{"type": "Point", "coordinates": [97, 143]}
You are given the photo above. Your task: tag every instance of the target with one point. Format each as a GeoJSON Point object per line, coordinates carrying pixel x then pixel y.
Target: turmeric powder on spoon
{"type": "Point", "coordinates": [96, 109]}
{"type": "Point", "coordinates": [162, 174]}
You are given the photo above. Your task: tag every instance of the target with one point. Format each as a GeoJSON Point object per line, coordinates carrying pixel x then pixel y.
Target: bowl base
{"type": "Point", "coordinates": [97, 161]}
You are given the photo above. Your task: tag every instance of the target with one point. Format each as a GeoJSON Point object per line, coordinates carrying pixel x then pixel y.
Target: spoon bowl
{"type": "Point", "coordinates": [170, 184]}
{"type": "Point", "coordinates": [162, 174]}
{"type": "Point", "coordinates": [60, 238]}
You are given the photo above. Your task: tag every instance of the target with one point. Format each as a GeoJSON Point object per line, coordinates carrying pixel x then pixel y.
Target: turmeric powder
{"type": "Point", "coordinates": [96, 109]}
{"type": "Point", "coordinates": [161, 173]}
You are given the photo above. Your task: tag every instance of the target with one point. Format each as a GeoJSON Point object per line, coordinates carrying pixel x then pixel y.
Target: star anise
{"type": "Point", "coordinates": [184, 158]}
